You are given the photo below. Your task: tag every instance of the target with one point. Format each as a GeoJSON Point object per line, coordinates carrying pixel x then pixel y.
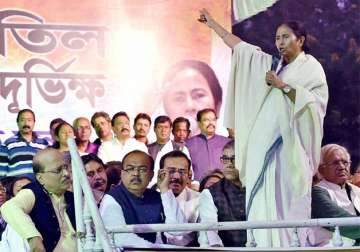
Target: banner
{"type": "Point", "coordinates": [68, 59]}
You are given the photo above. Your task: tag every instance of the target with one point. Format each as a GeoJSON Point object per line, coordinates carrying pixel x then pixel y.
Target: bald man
{"type": "Point", "coordinates": [43, 207]}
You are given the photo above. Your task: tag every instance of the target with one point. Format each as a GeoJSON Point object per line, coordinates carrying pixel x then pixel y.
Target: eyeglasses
{"type": "Point", "coordinates": [173, 170]}
{"type": "Point", "coordinates": [132, 169]}
{"type": "Point", "coordinates": [60, 169]}
{"type": "Point", "coordinates": [227, 159]}
{"type": "Point", "coordinates": [338, 162]}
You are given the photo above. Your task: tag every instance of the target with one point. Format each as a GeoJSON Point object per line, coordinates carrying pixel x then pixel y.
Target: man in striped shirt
{"type": "Point", "coordinates": [23, 146]}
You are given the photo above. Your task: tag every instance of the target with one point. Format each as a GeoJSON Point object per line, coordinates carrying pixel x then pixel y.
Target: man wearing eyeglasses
{"type": "Point", "coordinates": [334, 196]}
{"type": "Point", "coordinates": [43, 211]}
{"type": "Point", "coordinates": [163, 143]}
{"type": "Point", "coordinates": [224, 201]}
{"type": "Point", "coordinates": [131, 202]}
{"type": "Point", "coordinates": [177, 164]}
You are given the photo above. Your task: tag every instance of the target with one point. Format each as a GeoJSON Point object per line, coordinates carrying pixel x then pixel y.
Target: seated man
{"type": "Point", "coordinates": [43, 212]}
{"type": "Point", "coordinates": [224, 201]}
{"type": "Point", "coordinates": [96, 174]}
{"type": "Point", "coordinates": [334, 197]}
{"type": "Point", "coordinates": [131, 202]}
{"type": "Point", "coordinates": [177, 164]}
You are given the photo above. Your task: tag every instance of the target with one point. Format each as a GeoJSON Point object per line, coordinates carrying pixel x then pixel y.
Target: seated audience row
{"type": "Point", "coordinates": [134, 183]}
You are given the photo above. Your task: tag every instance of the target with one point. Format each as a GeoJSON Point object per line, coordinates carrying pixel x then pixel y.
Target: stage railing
{"type": "Point", "coordinates": [86, 211]}
{"type": "Point", "coordinates": [88, 217]}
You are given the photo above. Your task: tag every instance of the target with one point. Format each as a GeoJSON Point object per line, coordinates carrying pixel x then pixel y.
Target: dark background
{"type": "Point", "coordinates": [333, 28]}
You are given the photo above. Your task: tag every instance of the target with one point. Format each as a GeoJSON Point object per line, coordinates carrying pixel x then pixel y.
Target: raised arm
{"type": "Point", "coordinates": [229, 39]}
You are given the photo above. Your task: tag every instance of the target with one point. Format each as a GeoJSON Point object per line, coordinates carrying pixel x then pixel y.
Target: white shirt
{"type": "Point", "coordinates": [168, 147]}
{"type": "Point", "coordinates": [208, 213]}
{"type": "Point", "coordinates": [188, 201]}
{"type": "Point", "coordinates": [339, 195]}
{"type": "Point", "coordinates": [113, 216]}
{"type": "Point", "coordinates": [115, 151]}
{"type": "Point", "coordinates": [319, 236]}
{"type": "Point", "coordinates": [12, 241]}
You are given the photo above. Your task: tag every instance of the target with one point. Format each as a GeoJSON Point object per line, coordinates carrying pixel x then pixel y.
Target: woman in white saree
{"type": "Point", "coordinates": [277, 107]}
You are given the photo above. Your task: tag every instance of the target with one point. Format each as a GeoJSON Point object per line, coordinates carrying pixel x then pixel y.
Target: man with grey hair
{"type": "Point", "coordinates": [334, 197]}
{"type": "Point", "coordinates": [82, 130]}
{"type": "Point", "coordinates": [43, 212]}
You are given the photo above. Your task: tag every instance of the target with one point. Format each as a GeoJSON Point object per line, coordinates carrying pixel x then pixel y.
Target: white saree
{"type": "Point", "coordinates": [277, 141]}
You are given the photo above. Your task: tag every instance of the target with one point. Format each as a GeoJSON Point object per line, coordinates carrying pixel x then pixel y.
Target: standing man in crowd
{"type": "Point", "coordinates": [206, 148]}
{"type": "Point", "coordinates": [131, 202]}
{"type": "Point", "coordinates": [4, 161]}
{"type": "Point", "coordinates": [163, 144]}
{"type": "Point", "coordinates": [101, 122]}
{"type": "Point", "coordinates": [43, 212]}
{"type": "Point", "coordinates": [22, 147]}
{"type": "Point", "coordinates": [181, 131]}
{"type": "Point", "coordinates": [122, 144]}
{"type": "Point", "coordinates": [142, 123]}
{"type": "Point", "coordinates": [82, 130]}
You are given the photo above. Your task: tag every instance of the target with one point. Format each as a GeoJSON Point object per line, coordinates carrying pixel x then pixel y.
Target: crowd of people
{"type": "Point", "coordinates": [270, 167]}
{"type": "Point", "coordinates": [177, 179]}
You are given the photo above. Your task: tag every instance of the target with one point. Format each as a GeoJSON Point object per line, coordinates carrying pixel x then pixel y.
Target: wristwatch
{"type": "Point", "coordinates": [286, 89]}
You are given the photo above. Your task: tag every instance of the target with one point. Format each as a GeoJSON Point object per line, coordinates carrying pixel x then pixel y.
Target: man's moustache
{"type": "Point", "coordinates": [135, 179]}
{"type": "Point", "coordinates": [175, 181]}
{"type": "Point", "coordinates": [99, 183]}
{"type": "Point", "coordinates": [26, 127]}
{"type": "Point", "coordinates": [210, 125]}
{"type": "Point", "coordinates": [123, 129]}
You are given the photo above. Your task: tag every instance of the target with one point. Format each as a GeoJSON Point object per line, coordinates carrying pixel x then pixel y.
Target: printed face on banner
{"type": "Point", "coordinates": [134, 56]}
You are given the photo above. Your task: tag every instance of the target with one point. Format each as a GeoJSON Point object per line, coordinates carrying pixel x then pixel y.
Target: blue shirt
{"type": "Point", "coordinates": [4, 161]}
{"type": "Point", "coordinates": [20, 154]}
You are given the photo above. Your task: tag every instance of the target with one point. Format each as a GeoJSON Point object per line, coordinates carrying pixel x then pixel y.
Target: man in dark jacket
{"type": "Point", "coordinates": [43, 212]}
{"type": "Point", "coordinates": [224, 201]}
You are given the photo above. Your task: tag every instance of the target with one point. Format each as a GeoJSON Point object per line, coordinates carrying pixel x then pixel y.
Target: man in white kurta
{"type": "Point", "coordinates": [277, 141]}
{"type": "Point", "coordinates": [122, 144]}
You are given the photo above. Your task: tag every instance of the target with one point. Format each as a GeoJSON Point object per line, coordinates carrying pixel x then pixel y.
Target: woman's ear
{"type": "Point", "coordinates": [301, 41]}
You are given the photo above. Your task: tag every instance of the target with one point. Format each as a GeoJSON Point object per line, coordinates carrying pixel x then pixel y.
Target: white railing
{"type": "Point", "coordinates": [248, 225]}
{"type": "Point", "coordinates": [87, 213]}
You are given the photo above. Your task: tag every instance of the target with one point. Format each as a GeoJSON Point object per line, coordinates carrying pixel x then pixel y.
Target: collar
{"type": "Point", "coordinates": [201, 135]}
{"type": "Point", "coordinates": [301, 57]}
{"type": "Point", "coordinates": [183, 194]}
{"type": "Point", "coordinates": [332, 186]}
{"type": "Point", "coordinates": [131, 195]}
{"type": "Point", "coordinates": [118, 142]}
{"type": "Point", "coordinates": [34, 136]}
